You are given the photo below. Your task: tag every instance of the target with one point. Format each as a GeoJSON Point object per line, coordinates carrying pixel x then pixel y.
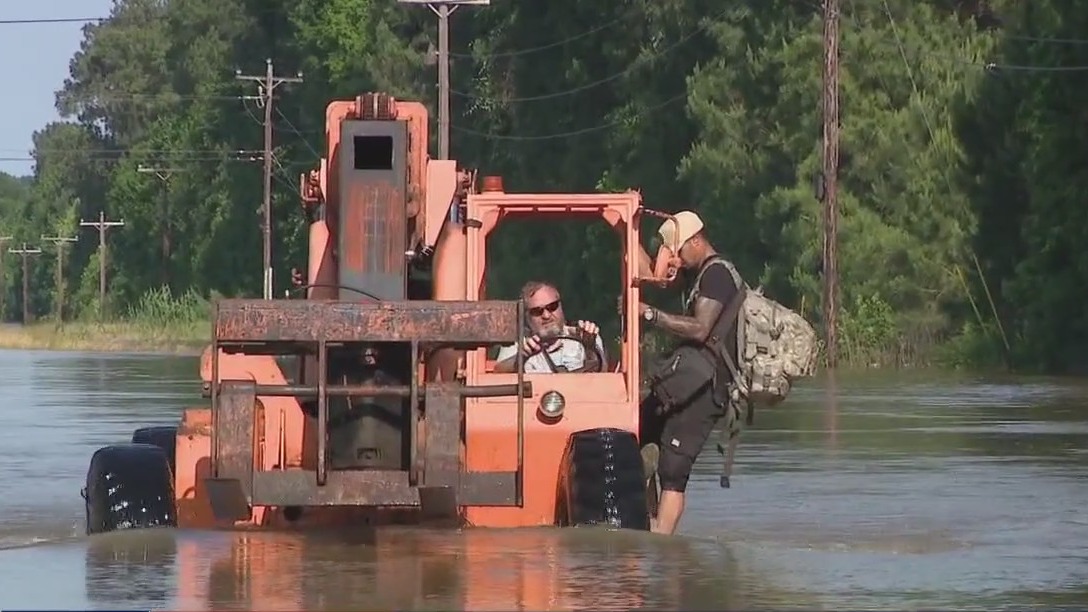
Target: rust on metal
{"type": "Point", "coordinates": [372, 390]}
{"type": "Point", "coordinates": [237, 483]}
{"type": "Point", "coordinates": [196, 422]}
{"type": "Point", "coordinates": [413, 418]}
{"type": "Point", "coordinates": [234, 435]}
{"type": "Point", "coordinates": [468, 322]}
{"type": "Point", "coordinates": [373, 488]}
{"type": "Point", "coordinates": [230, 487]}
{"type": "Point", "coordinates": [371, 221]}
{"type": "Point", "coordinates": [442, 452]}
{"type": "Point", "coordinates": [322, 413]}
{"type": "Point", "coordinates": [375, 106]}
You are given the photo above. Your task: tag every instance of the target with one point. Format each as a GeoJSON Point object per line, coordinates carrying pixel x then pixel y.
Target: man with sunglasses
{"type": "Point", "coordinates": [543, 348]}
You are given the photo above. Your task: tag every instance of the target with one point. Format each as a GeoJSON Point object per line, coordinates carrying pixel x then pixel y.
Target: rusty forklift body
{"type": "Point", "coordinates": [372, 397]}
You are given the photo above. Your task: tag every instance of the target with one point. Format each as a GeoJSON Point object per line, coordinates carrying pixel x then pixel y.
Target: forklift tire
{"type": "Point", "coordinates": [163, 436]}
{"type": "Point", "coordinates": [601, 481]}
{"type": "Point", "coordinates": [129, 486]}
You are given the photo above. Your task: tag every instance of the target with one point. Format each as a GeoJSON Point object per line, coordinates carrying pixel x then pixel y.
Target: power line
{"type": "Point", "coordinates": [95, 98]}
{"type": "Point", "coordinates": [551, 45]}
{"type": "Point", "coordinates": [140, 151]}
{"type": "Point", "coordinates": [632, 67]}
{"type": "Point", "coordinates": [291, 127]}
{"type": "Point", "coordinates": [1061, 41]}
{"type": "Point", "coordinates": [573, 133]}
{"type": "Point", "coordinates": [52, 20]}
{"type": "Point", "coordinates": [110, 155]}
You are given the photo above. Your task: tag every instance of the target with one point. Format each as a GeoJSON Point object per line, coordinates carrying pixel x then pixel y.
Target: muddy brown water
{"type": "Point", "coordinates": [897, 490]}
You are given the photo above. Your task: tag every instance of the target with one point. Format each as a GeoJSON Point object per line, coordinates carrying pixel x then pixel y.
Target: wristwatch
{"type": "Point", "coordinates": [650, 315]}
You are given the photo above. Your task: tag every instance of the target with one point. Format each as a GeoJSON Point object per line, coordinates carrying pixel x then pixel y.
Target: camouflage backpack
{"type": "Point", "coordinates": [774, 346]}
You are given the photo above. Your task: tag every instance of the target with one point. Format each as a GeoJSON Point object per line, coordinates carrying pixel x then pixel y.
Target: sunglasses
{"type": "Point", "coordinates": [551, 307]}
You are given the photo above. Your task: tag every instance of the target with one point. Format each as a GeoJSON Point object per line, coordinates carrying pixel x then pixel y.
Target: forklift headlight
{"type": "Point", "coordinates": [552, 404]}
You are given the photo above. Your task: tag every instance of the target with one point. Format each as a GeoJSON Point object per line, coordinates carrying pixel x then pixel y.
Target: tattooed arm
{"type": "Point", "coordinates": [717, 290]}
{"type": "Point", "coordinates": [696, 327]}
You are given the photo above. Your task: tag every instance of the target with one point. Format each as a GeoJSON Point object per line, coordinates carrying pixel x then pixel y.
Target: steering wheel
{"type": "Point", "coordinates": [594, 357]}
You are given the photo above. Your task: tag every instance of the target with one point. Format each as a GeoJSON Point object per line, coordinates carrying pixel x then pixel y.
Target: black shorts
{"type": "Point", "coordinates": [680, 434]}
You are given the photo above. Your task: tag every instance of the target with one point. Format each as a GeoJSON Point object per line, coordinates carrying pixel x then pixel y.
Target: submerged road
{"type": "Point", "coordinates": [905, 490]}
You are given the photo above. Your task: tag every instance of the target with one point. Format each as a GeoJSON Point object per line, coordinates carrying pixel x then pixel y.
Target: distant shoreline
{"type": "Point", "coordinates": [112, 337]}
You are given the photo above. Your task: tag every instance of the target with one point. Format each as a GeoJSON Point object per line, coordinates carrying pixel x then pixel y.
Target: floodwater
{"type": "Point", "coordinates": [900, 490]}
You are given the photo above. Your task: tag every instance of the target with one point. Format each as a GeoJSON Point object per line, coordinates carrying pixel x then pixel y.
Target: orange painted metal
{"type": "Point", "coordinates": [450, 220]}
{"type": "Point", "coordinates": [606, 399]}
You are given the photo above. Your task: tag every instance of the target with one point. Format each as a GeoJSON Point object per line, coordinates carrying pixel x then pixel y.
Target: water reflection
{"type": "Point", "coordinates": [130, 569]}
{"type": "Point", "coordinates": [398, 569]}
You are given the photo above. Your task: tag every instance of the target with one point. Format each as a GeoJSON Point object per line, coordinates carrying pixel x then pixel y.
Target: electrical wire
{"type": "Point", "coordinates": [452, 54]}
{"type": "Point", "coordinates": [148, 151]}
{"type": "Point", "coordinates": [51, 20]}
{"type": "Point", "coordinates": [638, 63]}
{"type": "Point", "coordinates": [1060, 41]}
{"type": "Point", "coordinates": [573, 133]}
{"type": "Point", "coordinates": [551, 45]}
{"type": "Point", "coordinates": [291, 127]}
{"type": "Point", "coordinates": [92, 98]}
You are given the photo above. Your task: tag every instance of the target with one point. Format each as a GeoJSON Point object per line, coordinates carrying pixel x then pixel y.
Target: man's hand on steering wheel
{"type": "Point", "coordinates": [589, 328]}
{"type": "Point", "coordinates": [530, 345]}
{"type": "Point", "coordinates": [586, 333]}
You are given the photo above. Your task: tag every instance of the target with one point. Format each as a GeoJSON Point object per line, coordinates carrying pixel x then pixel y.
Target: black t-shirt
{"type": "Point", "coordinates": [717, 284]}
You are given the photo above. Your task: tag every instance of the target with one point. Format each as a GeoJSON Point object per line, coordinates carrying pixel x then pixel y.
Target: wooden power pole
{"type": "Point", "coordinates": [164, 175]}
{"type": "Point", "coordinates": [444, 8]}
{"type": "Point", "coordinates": [102, 226]}
{"type": "Point", "coordinates": [25, 253]}
{"type": "Point", "coordinates": [268, 83]}
{"type": "Point", "coordinates": [59, 242]}
{"type": "Point", "coordinates": [830, 178]}
{"type": "Point", "coordinates": [3, 284]}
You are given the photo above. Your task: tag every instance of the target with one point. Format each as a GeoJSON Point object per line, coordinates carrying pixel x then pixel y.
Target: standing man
{"type": "Point", "coordinates": [691, 393]}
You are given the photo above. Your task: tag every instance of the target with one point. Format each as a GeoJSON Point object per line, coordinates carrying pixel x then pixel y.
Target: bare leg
{"type": "Point", "coordinates": [669, 511]}
{"type": "Point", "coordinates": [685, 433]}
{"type": "Point", "coordinates": [650, 456]}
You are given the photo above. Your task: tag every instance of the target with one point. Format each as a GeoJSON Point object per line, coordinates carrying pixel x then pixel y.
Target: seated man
{"type": "Point", "coordinates": [544, 352]}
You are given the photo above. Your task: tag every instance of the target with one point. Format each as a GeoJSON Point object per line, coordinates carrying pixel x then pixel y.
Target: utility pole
{"type": "Point", "coordinates": [830, 178]}
{"type": "Point", "coordinates": [444, 8]}
{"type": "Point", "coordinates": [102, 226]}
{"type": "Point", "coordinates": [3, 285]}
{"type": "Point", "coordinates": [26, 252]}
{"type": "Point", "coordinates": [59, 242]}
{"type": "Point", "coordinates": [267, 84]}
{"type": "Point", "coordinates": [164, 175]}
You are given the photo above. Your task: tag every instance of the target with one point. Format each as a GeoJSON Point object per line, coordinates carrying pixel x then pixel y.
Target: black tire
{"type": "Point", "coordinates": [163, 436]}
{"type": "Point", "coordinates": [129, 486]}
{"type": "Point", "coordinates": [601, 481]}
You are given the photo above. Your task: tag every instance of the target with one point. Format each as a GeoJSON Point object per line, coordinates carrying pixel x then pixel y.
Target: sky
{"type": "Point", "coordinates": [36, 57]}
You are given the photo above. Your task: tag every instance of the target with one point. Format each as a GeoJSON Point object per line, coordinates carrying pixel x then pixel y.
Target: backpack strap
{"type": "Point", "coordinates": [730, 434]}
{"type": "Point", "coordinates": [731, 312]}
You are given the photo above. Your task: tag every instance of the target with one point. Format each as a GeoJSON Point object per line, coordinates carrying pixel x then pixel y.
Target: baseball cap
{"type": "Point", "coordinates": [678, 230]}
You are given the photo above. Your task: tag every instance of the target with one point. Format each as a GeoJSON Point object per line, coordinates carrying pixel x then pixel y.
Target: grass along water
{"type": "Point", "coordinates": [159, 322]}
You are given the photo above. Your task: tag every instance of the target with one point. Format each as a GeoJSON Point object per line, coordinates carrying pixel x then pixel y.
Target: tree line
{"type": "Point", "coordinates": [962, 137]}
